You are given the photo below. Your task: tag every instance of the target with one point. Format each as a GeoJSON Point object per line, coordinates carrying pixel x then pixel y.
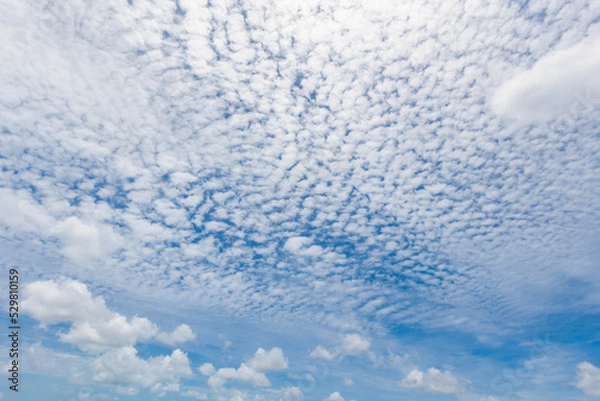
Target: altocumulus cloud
{"type": "Point", "coordinates": [331, 164]}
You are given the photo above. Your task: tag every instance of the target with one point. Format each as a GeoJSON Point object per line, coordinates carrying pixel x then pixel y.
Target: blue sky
{"type": "Point", "coordinates": [316, 200]}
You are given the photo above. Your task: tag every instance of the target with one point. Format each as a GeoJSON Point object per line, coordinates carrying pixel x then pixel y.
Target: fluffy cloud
{"type": "Point", "coordinates": [207, 369]}
{"type": "Point", "coordinates": [352, 344]}
{"type": "Point", "coordinates": [244, 374]}
{"type": "Point", "coordinates": [250, 372]}
{"type": "Point", "coordinates": [93, 326]}
{"type": "Point", "coordinates": [432, 380]}
{"type": "Point", "coordinates": [321, 353]}
{"type": "Point", "coordinates": [63, 301]}
{"type": "Point", "coordinates": [334, 397]}
{"type": "Point", "coordinates": [124, 369]}
{"type": "Point", "coordinates": [81, 240]}
{"type": "Point", "coordinates": [563, 78]}
{"type": "Point", "coordinates": [181, 334]}
{"type": "Point", "coordinates": [268, 360]}
{"type": "Point", "coordinates": [588, 379]}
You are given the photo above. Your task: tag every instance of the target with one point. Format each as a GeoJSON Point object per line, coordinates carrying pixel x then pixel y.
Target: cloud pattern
{"type": "Point", "coordinates": [342, 164]}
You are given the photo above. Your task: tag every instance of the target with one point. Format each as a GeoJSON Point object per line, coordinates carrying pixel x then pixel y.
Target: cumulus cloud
{"type": "Point", "coordinates": [250, 372]}
{"type": "Point", "coordinates": [432, 380]}
{"type": "Point", "coordinates": [129, 373]}
{"type": "Point", "coordinates": [588, 379]}
{"type": "Point", "coordinates": [561, 79]}
{"type": "Point", "coordinates": [321, 353]}
{"type": "Point", "coordinates": [268, 360]}
{"type": "Point", "coordinates": [94, 327]}
{"type": "Point", "coordinates": [181, 334]}
{"type": "Point", "coordinates": [244, 374]}
{"type": "Point", "coordinates": [335, 396]}
{"type": "Point", "coordinates": [352, 344]}
{"type": "Point", "coordinates": [207, 369]}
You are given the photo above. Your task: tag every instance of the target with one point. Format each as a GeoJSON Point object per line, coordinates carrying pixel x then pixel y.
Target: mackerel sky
{"type": "Point", "coordinates": [316, 200]}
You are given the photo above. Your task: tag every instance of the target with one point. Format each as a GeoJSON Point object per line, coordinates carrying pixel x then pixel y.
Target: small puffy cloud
{"type": "Point", "coordinates": [353, 344]}
{"type": "Point", "coordinates": [244, 374]}
{"type": "Point", "coordinates": [322, 353]}
{"type": "Point", "coordinates": [334, 397]}
{"type": "Point", "coordinates": [588, 379]}
{"type": "Point", "coordinates": [180, 335]}
{"type": "Point", "coordinates": [348, 381]}
{"type": "Point", "coordinates": [557, 81]}
{"type": "Point", "coordinates": [207, 369]}
{"type": "Point", "coordinates": [250, 372]}
{"type": "Point", "coordinates": [295, 243]}
{"type": "Point", "coordinates": [268, 360]}
{"type": "Point", "coordinates": [433, 380]}
{"type": "Point", "coordinates": [124, 369]}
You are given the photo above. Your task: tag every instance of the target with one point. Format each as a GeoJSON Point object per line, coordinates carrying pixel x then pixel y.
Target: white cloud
{"type": "Point", "coordinates": [348, 381]}
{"type": "Point", "coordinates": [335, 396]}
{"type": "Point", "coordinates": [268, 360]}
{"type": "Point", "coordinates": [355, 126]}
{"type": "Point", "coordinates": [101, 335]}
{"type": "Point", "coordinates": [355, 344]}
{"type": "Point", "coordinates": [322, 353]}
{"type": "Point", "coordinates": [352, 344]}
{"type": "Point", "coordinates": [124, 369]}
{"type": "Point", "coordinates": [244, 374]}
{"type": "Point", "coordinates": [93, 326]}
{"type": "Point", "coordinates": [294, 244]}
{"type": "Point", "coordinates": [588, 379]}
{"type": "Point", "coordinates": [181, 334]}
{"type": "Point", "coordinates": [207, 369]}
{"type": "Point", "coordinates": [250, 372]}
{"type": "Point", "coordinates": [83, 241]}
{"type": "Point", "coordinates": [433, 380]}
{"type": "Point", "coordinates": [561, 79]}
{"type": "Point", "coordinates": [63, 301]}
